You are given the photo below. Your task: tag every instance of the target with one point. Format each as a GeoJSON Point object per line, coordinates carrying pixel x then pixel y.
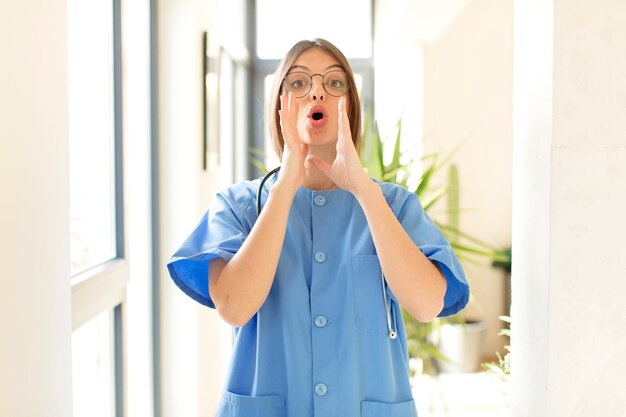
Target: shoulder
{"type": "Point", "coordinates": [240, 191]}
{"type": "Point", "coordinates": [238, 197]}
{"type": "Point", "coordinates": [397, 196]}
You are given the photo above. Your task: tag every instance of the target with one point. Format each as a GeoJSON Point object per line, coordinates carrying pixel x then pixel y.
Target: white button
{"type": "Point", "coordinates": [321, 389]}
{"type": "Point", "coordinates": [320, 321]}
{"type": "Point", "coordinates": [320, 256]}
{"type": "Point", "coordinates": [319, 200]}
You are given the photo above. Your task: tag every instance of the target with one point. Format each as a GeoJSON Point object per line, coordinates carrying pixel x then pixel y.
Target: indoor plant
{"type": "Point", "coordinates": [423, 338]}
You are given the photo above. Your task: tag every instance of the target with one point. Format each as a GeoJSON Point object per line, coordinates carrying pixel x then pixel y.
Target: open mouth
{"type": "Point", "coordinates": [317, 113]}
{"type": "Point", "coordinates": [317, 116]}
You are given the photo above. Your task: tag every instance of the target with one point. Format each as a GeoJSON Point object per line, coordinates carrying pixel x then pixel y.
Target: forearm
{"type": "Point", "coordinates": [416, 282]}
{"type": "Point", "coordinates": [241, 287]}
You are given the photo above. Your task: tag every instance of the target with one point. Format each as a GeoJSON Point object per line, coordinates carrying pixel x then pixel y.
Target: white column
{"type": "Point", "coordinates": [568, 223]}
{"type": "Point", "coordinates": [191, 370]}
{"type": "Point", "coordinates": [35, 316]}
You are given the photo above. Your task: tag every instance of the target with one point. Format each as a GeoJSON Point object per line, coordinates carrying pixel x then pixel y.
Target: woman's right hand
{"type": "Point", "coordinates": [292, 170]}
{"type": "Point", "coordinates": [240, 287]}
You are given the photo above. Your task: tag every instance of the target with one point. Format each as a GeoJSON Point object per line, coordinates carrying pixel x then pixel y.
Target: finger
{"type": "Point", "coordinates": [293, 106]}
{"type": "Point", "coordinates": [286, 118]}
{"type": "Point", "coordinates": [281, 110]}
{"type": "Point", "coordinates": [344, 134]}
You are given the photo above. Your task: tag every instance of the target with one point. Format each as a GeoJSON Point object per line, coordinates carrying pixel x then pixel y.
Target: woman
{"type": "Point", "coordinates": [314, 283]}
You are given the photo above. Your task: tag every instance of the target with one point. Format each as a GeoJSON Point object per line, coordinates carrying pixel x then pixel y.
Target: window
{"type": "Point", "coordinates": [91, 133]}
{"type": "Point", "coordinates": [93, 368]}
{"type": "Point", "coordinates": [98, 270]}
{"type": "Point", "coordinates": [347, 24]}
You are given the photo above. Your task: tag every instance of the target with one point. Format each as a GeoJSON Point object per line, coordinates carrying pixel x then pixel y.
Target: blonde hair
{"type": "Point", "coordinates": [354, 106]}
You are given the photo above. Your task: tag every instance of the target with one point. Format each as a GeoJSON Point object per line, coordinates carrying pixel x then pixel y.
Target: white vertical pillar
{"type": "Point", "coordinates": [532, 139]}
{"type": "Point", "coordinates": [190, 334]}
{"type": "Point", "coordinates": [35, 316]}
{"type": "Point", "coordinates": [568, 228]}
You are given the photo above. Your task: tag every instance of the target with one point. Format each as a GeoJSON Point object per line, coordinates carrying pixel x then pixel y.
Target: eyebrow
{"type": "Point", "coordinates": [306, 68]}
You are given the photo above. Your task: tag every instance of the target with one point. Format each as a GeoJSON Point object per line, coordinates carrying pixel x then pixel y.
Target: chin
{"type": "Point", "coordinates": [318, 140]}
{"type": "Point", "coordinates": [319, 137]}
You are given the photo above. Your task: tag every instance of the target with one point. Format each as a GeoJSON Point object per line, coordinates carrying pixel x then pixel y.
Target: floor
{"type": "Point", "coordinates": [461, 395]}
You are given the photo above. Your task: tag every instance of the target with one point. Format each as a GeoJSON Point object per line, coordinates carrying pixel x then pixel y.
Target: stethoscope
{"type": "Point", "coordinates": [393, 334]}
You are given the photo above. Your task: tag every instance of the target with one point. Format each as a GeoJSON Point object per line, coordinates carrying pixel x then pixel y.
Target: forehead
{"type": "Point", "coordinates": [315, 59]}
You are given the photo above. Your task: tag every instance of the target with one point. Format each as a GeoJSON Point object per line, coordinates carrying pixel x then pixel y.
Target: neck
{"type": "Point", "coordinates": [315, 180]}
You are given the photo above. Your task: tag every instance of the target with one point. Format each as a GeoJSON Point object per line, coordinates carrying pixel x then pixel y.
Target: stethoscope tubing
{"type": "Point", "coordinates": [260, 189]}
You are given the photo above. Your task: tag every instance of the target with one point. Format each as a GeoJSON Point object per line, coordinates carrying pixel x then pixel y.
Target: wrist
{"type": "Point", "coordinates": [284, 188]}
{"type": "Point", "coordinates": [366, 189]}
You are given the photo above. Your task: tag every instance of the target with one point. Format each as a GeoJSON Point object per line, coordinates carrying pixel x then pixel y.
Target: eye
{"type": "Point", "coordinates": [297, 81]}
{"type": "Point", "coordinates": [337, 81]}
{"type": "Point", "coordinates": [337, 84]}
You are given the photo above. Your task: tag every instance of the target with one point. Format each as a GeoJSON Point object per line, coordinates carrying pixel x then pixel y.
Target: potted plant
{"type": "Point", "coordinates": [442, 344]}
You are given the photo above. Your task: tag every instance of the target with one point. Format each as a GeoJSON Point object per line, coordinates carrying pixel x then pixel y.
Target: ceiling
{"type": "Point", "coordinates": [416, 21]}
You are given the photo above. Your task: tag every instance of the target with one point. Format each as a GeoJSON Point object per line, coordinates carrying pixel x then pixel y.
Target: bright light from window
{"type": "Point", "coordinates": [92, 368]}
{"type": "Point", "coordinates": [282, 23]}
{"type": "Point", "coordinates": [91, 131]}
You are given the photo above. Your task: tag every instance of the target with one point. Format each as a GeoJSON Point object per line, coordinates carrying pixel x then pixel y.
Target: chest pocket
{"type": "Point", "coordinates": [376, 409]}
{"type": "Point", "coordinates": [369, 306]}
{"type": "Point", "coordinates": [234, 405]}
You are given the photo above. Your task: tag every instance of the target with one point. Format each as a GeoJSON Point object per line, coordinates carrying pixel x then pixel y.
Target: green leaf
{"type": "Point", "coordinates": [472, 239]}
{"type": "Point", "coordinates": [371, 150]}
{"type": "Point", "coordinates": [431, 200]}
{"type": "Point", "coordinates": [453, 203]}
{"type": "Point", "coordinates": [395, 159]}
{"type": "Point", "coordinates": [257, 152]}
{"type": "Point", "coordinates": [425, 180]}
{"type": "Point", "coordinates": [259, 165]}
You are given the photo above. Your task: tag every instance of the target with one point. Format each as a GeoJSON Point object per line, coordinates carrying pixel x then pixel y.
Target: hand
{"type": "Point", "coordinates": [346, 170]}
{"type": "Point", "coordinates": [292, 171]}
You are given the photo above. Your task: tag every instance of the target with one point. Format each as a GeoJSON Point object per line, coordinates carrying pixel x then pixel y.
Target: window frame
{"type": "Point", "coordinates": [103, 287]}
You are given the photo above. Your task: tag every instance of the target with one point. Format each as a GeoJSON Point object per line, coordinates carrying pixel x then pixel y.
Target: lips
{"type": "Point", "coordinates": [317, 116]}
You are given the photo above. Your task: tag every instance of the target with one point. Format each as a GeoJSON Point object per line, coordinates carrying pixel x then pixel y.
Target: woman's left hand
{"type": "Point", "coordinates": [346, 170]}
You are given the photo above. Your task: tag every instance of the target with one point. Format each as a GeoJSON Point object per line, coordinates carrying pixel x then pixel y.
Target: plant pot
{"type": "Point", "coordinates": [462, 345]}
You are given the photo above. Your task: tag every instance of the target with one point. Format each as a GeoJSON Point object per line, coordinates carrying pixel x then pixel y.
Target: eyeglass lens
{"type": "Point", "coordinates": [300, 83]}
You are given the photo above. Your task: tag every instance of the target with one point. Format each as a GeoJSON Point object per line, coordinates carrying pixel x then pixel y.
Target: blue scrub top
{"type": "Point", "coordinates": [319, 345]}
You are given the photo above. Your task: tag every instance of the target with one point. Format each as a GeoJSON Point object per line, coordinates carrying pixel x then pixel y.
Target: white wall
{"type": "Point", "coordinates": [468, 101]}
{"type": "Point", "coordinates": [570, 118]}
{"type": "Point", "coordinates": [35, 317]}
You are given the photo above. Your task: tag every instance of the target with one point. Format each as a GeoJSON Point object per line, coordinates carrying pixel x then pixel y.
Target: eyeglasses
{"type": "Point", "coordinates": [300, 83]}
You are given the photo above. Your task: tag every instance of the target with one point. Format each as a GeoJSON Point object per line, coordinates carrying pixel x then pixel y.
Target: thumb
{"type": "Point", "coordinates": [320, 164]}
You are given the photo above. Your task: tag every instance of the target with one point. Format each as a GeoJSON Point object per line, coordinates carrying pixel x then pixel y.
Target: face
{"type": "Point", "coordinates": [318, 115]}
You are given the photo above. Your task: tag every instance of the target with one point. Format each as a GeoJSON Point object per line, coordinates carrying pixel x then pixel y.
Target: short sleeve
{"type": "Point", "coordinates": [427, 236]}
{"type": "Point", "coordinates": [219, 234]}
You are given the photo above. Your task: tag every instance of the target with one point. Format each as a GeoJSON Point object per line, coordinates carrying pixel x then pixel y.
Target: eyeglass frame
{"type": "Point", "coordinates": [323, 83]}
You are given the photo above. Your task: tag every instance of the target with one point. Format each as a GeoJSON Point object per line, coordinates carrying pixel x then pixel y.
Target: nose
{"type": "Point", "coordinates": [317, 88]}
